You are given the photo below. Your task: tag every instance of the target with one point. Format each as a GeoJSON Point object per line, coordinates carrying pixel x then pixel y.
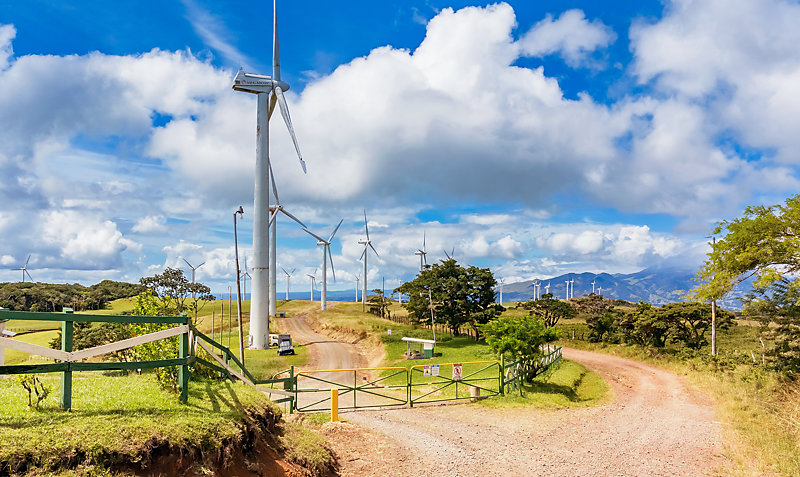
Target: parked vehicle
{"type": "Point", "coordinates": [285, 345]}
{"type": "Point", "coordinates": [273, 340]}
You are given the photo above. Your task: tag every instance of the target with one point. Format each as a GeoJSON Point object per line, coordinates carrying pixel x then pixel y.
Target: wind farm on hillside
{"type": "Point", "coordinates": [529, 238]}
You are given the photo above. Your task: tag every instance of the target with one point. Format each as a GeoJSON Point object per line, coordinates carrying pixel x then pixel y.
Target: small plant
{"type": "Point", "coordinates": [34, 385]}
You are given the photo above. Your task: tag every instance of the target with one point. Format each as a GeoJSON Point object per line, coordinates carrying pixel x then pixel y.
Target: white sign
{"type": "Point", "coordinates": [389, 332]}
{"type": "Point", "coordinates": [457, 372]}
{"type": "Point", "coordinates": [435, 370]}
{"type": "Point", "coordinates": [426, 370]}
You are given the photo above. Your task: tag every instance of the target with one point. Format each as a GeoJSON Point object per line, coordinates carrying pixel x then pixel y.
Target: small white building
{"type": "Point", "coordinates": [418, 348]}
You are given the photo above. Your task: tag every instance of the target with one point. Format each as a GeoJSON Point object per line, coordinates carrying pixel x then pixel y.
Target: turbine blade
{"type": "Point", "coordinates": [288, 120]}
{"type": "Point", "coordinates": [293, 270]}
{"type": "Point", "coordinates": [274, 187]}
{"type": "Point", "coordinates": [201, 265]}
{"type": "Point", "coordinates": [423, 241]}
{"type": "Point", "coordinates": [286, 213]}
{"type": "Point", "coordinates": [366, 227]}
{"type": "Point", "coordinates": [276, 54]}
{"type": "Point", "coordinates": [28, 260]}
{"type": "Point", "coordinates": [330, 258]}
{"type": "Point", "coordinates": [373, 249]}
{"type": "Point", "coordinates": [363, 253]}
{"type": "Point", "coordinates": [273, 100]}
{"type": "Point", "coordinates": [187, 263]}
{"type": "Point", "coordinates": [314, 235]}
{"type": "Point", "coordinates": [335, 230]}
{"type": "Point", "coordinates": [284, 270]}
{"type": "Point", "coordinates": [446, 254]}
{"type": "Point", "coordinates": [26, 272]}
{"type": "Point", "coordinates": [272, 218]}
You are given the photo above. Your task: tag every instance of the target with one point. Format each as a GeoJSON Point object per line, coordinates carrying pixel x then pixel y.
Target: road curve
{"type": "Point", "coordinates": [655, 426]}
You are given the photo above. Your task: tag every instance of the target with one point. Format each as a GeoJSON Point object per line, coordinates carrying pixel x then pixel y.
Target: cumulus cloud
{"type": "Point", "coordinates": [151, 223]}
{"type": "Point", "coordinates": [571, 35]}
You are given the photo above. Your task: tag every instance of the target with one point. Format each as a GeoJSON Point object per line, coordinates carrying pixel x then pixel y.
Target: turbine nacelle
{"type": "Point", "coordinates": [256, 84]}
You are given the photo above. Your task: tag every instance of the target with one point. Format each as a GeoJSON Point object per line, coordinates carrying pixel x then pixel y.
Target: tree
{"type": "Point", "coordinates": [643, 326]}
{"type": "Point", "coordinates": [763, 245]}
{"type": "Point", "coordinates": [519, 338]}
{"type": "Point", "coordinates": [460, 296]}
{"type": "Point", "coordinates": [148, 304]}
{"type": "Point", "coordinates": [550, 309]}
{"type": "Point", "coordinates": [176, 292]}
{"type": "Point", "coordinates": [689, 322]}
{"type": "Point", "coordinates": [778, 308]}
{"type": "Point", "coordinates": [378, 304]}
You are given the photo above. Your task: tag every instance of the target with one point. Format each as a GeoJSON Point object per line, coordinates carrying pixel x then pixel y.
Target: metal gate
{"type": "Point", "coordinates": [454, 381]}
{"type": "Point", "coordinates": [357, 388]}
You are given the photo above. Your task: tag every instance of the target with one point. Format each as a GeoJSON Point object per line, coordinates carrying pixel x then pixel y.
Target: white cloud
{"type": "Point", "coordinates": [150, 224]}
{"type": "Point", "coordinates": [7, 33]}
{"type": "Point", "coordinates": [214, 33]}
{"type": "Point", "coordinates": [571, 35]}
{"type": "Point", "coordinates": [82, 243]}
{"type": "Point", "coordinates": [7, 260]}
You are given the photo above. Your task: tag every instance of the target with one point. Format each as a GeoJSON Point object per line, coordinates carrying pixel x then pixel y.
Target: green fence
{"type": "Point", "coordinates": [515, 372]}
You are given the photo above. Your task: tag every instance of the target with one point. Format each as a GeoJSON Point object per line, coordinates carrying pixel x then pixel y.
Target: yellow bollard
{"type": "Point", "coordinates": [334, 405]}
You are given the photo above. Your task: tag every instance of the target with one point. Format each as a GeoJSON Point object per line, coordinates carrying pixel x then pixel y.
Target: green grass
{"type": "Point", "coordinates": [569, 385]}
{"type": "Point", "coordinates": [115, 307]}
{"type": "Point", "coordinates": [117, 419]}
{"type": "Point", "coordinates": [26, 326]}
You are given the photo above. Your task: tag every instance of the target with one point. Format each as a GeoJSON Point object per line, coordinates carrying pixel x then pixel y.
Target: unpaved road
{"type": "Point", "coordinates": [654, 426]}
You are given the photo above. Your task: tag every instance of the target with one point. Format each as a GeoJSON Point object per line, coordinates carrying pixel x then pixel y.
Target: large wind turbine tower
{"type": "Point", "coordinates": [326, 256]}
{"type": "Point", "coordinates": [269, 92]}
{"type": "Point", "coordinates": [367, 244]}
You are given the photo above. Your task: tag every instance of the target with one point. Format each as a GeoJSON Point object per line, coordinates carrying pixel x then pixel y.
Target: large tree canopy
{"type": "Point", "coordinates": [459, 296]}
{"type": "Point", "coordinates": [764, 244]}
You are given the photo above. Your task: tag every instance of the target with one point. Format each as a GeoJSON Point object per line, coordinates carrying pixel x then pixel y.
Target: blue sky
{"type": "Point", "coordinates": [535, 138]}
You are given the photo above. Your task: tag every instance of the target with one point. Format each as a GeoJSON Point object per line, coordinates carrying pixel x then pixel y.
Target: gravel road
{"type": "Point", "coordinates": [655, 426]}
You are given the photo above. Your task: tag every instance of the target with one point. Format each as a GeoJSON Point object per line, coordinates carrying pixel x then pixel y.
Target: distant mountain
{"type": "Point", "coordinates": [655, 285]}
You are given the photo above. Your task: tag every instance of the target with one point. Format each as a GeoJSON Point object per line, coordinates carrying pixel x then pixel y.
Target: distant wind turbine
{"type": "Point", "coordinates": [547, 288]}
{"type": "Point", "coordinates": [367, 244]}
{"type": "Point", "coordinates": [502, 281]}
{"type": "Point", "coordinates": [593, 282]}
{"type": "Point", "coordinates": [269, 92]}
{"type": "Point", "coordinates": [24, 270]}
{"type": "Point", "coordinates": [358, 279]}
{"type": "Point", "coordinates": [194, 269]}
{"type": "Point", "coordinates": [288, 276]}
{"type": "Point", "coordinates": [313, 282]}
{"type": "Point", "coordinates": [423, 254]}
{"type": "Point", "coordinates": [326, 256]}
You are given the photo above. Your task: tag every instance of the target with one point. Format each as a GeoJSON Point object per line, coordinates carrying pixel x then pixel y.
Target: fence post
{"type": "Point", "coordinates": [66, 376]}
{"type": "Point", "coordinates": [293, 384]}
{"type": "Point", "coordinates": [183, 369]}
{"type": "Point", "coordinates": [502, 375]}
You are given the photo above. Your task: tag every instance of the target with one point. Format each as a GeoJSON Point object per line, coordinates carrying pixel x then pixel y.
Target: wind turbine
{"type": "Point", "coordinates": [288, 276]}
{"type": "Point", "coordinates": [245, 276]}
{"type": "Point", "coordinates": [593, 282]}
{"type": "Point", "coordinates": [269, 92]}
{"type": "Point", "coordinates": [313, 282]}
{"type": "Point", "coordinates": [547, 288]}
{"type": "Point", "coordinates": [194, 269]}
{"type": "Point", "coordinates": [273, 226]}
{"type": "Point", "coordinates": [358, 279]}
{"type": "Point", "coordinates": [572, 286]}
{"type": "Point", "coordinates": [502, 281]}
{"type": "Point", "coordinates": [451, 254]}
{"type": "Point", "coordinates": [423, 254]}
{"type": "Point", "coordinates": [24, 270]}
{"type": "Point", "coordinates": [366, 243]}
{"type": "Point", "coordinates": [326, 255]}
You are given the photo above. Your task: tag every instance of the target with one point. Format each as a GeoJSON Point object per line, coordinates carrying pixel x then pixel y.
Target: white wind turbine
{"type": "Point", "coordinates": [288, 277]}
{"type": "Point", "coordinates": [423, 254]}
{"type": "Point", "coordinates": [547, 288]}
{"type": "Point", "coordinates": [326, 255]}
{"type": "Point", "coordinates": [313, 282]}
{"type": "Point", "coordinates": [194, 269]}
{"type": "Point", "coordinates": [358, 279]}
{"type": "Point", "coordinates": [366, 243]}
{"type": "Point", "coordinates": [269, 92]}
{"type": "Point", "coordinates": [24, 270]}
{"type": "Point", "coordinates": [273, 243]}
{"type": "Point", "coordinates": [567, 286]}
{"type": "Point", "coordinates": [502, 281]}
{"type": "Point", "coordinates": [593, 282]}
{"type": "Point", "coordinates": [572, 287]}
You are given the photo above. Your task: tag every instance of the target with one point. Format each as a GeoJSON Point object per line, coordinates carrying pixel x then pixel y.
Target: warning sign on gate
{"type": "Point", "coordinates": [457, 372]}
{"type": "Point", "coordinates": [435, 370]}
{"type": "Point", "coordinates": [426, 370]}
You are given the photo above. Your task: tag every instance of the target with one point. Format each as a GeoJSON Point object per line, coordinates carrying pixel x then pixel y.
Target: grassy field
{"type": "Point", "coordinates": [117, 419]}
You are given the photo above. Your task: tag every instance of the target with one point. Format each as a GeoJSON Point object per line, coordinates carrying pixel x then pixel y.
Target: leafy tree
{"type": "Point", "coordinates": [643, 326]}
{"type": "Point", "coordinates": [520, 338]}
{"type": "Point", "coordinates": [176, 292]}
{"type": "Point", "coordinates": [689, 322]}
{"type": "Point", "coordinates": [763, 245]}
{"type": "Point", "coordinates": [460, 296]}
{"type": "Point", "coordinates": [593, 304]}
{"type": "Point", "coordinates": [550, 309]}
{"type": "Point", "coordinates": [603, 328]}
{"type": "Point", "coordinates": [778, 308]}
{"type": "Point", "coordinates": [378, 304]}
{"type": "Point", "coordinates": [148, 304]}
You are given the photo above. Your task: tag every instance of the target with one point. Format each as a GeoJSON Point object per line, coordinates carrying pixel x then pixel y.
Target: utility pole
{"type": "Point", "coordinates": [713, 312]}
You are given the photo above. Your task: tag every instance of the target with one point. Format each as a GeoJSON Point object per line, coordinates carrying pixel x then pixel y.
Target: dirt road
{"type": "Point", "coordinates": [654, 426]}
